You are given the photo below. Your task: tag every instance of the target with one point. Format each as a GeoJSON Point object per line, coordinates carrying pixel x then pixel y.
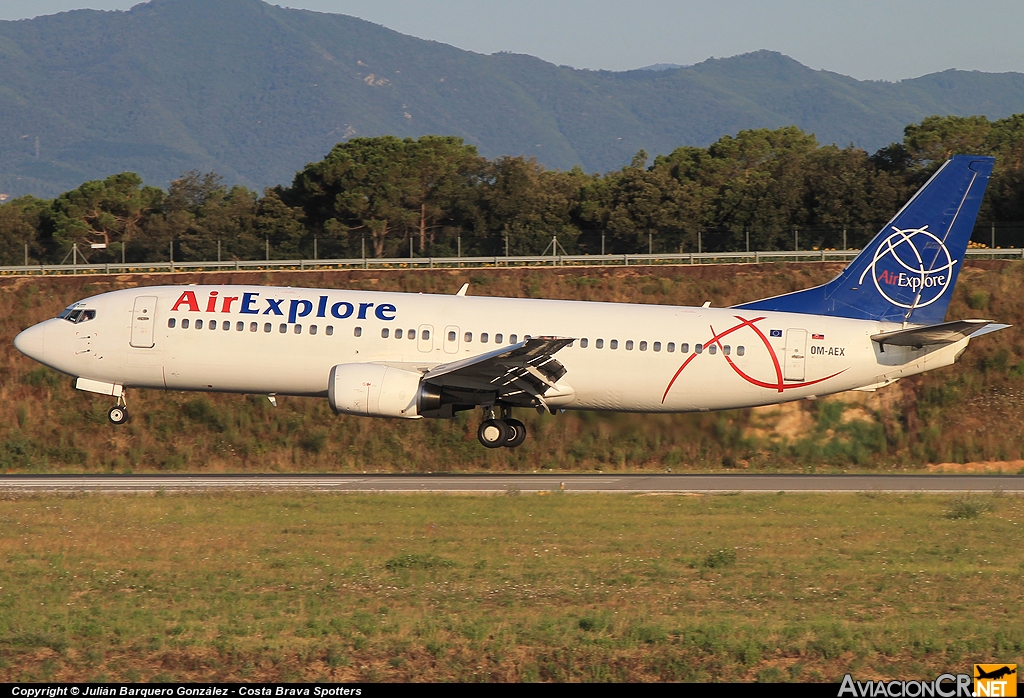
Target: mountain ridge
{"type": "Point", "coordinates": [254, 91]}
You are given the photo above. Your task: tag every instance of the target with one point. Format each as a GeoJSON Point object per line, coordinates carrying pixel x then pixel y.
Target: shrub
{"type": "Point", "coordinates": [968, 507]}
{"type": "Point", "coordinates": [720, 558]}
{"type": "Point", "coordinates": [417, 561]}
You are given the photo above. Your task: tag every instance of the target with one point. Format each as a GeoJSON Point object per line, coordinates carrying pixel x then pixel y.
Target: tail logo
{"type": "Point", "coordinates": [911, 265]}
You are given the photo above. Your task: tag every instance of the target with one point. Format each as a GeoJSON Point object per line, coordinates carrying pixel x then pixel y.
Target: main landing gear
{"type": "Point", "coordinates": [503, 431]}
{"type": "Point", "coordinates": [118, 414]}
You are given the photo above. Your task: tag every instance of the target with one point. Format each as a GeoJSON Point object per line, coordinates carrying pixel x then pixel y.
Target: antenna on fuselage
{"type": "Point", "coordinates": [462, 291]}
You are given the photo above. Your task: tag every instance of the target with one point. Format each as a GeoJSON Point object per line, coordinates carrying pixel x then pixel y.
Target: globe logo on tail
{"type": "Point", "coordinates": [911, 268]}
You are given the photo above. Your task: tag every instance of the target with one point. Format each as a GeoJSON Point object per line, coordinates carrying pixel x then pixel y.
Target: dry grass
{"type": "Point", "coordinates": [507, 588]}
{"type": "Point", "coordinates": [969, 412]}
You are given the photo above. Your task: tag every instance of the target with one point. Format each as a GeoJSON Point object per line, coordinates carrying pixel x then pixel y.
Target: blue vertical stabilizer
{"type": "Point", "coordinates": [907, 273]}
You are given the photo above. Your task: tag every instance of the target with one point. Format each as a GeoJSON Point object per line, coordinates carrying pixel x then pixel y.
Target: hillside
{"type": "Point", "coordinates": [964, 413]}
{"type": "Point", "coordinates": [254, 91]}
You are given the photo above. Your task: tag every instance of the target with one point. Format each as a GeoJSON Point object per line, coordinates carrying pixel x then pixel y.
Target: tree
{"type": "Point", "coordinates": [361, 186]}
{"type": "Point", "coordinates": [111, 212]}
{"type": "Point", "coordinates": [20, 221]}
{"type": "Point", "coordinates": [522, 204]}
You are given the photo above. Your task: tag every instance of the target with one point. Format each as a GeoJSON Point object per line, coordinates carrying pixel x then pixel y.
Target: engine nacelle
{"type": "Point", "coordinates": [380, 391]}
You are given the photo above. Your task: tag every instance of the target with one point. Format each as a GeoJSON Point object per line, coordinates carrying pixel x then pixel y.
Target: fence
{"type": "Point", "coordinates": [474, 262]}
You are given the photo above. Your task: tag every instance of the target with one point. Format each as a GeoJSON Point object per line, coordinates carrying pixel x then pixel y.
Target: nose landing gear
{"type": "Point", "coordinates": [118, 414]}
{"type": "Point", "coordinates": [503, 431]}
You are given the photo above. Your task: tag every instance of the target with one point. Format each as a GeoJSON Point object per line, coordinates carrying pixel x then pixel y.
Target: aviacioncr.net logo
{"type": "Point", "coordinates": [911, 268]}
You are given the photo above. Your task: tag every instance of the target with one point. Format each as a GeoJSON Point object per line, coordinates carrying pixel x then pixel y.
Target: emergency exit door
{"type": "Point", "coordinates": [796, 353]}
{"type": "Point", "coordinates": [142, 322]}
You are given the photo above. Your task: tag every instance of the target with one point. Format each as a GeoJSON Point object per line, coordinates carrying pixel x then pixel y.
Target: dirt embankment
{"type": "Point", "coordinates": [962, 417]}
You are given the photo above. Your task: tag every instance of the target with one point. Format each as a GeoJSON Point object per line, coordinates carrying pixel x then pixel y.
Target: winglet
{"type": "Point", "coordinates": [462, 291]}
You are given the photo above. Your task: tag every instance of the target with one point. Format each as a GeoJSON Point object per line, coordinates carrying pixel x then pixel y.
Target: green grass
{"type": "Point", "coordinates": [557, 588]}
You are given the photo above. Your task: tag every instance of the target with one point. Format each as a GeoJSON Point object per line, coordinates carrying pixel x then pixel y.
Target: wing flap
{"type": "Point", "coordinates": [943, 333]}
{"type": "Point", "coordinates": [527, 366]}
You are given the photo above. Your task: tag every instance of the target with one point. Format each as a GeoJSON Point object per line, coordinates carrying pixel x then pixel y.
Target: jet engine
{"type": "Point", "coordinates": [380, 391]}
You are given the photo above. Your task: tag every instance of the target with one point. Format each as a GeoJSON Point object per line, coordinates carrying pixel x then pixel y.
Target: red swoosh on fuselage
{"type": "Point", "coordinates": [779, 385]}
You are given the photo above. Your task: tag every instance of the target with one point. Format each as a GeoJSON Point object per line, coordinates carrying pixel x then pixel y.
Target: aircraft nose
{"type": "Point", "coordinates": [30, 341]}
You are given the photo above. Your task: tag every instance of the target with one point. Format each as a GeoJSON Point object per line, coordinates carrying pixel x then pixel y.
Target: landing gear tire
{"type": "Point", "coordinates": [516, 433]}
{"type": "Point", "coordinates": [118, 414]}
{"type": "Point", "coordinates": [493, 433]}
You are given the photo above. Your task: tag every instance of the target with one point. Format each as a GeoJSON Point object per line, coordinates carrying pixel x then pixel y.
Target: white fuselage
{"type": "Point", "coordinates": [644, 358]}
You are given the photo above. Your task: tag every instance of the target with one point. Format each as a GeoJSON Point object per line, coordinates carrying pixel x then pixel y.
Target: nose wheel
{"type": "Point", "coordinates": [504, 432]}
{"type": "Point", "coordinates": [118, 414]}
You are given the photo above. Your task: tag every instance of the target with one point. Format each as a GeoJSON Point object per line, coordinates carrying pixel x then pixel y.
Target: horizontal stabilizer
{"type": "Point", "coordinates": [943, 333]}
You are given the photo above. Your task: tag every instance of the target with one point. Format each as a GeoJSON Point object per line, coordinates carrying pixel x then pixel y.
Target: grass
{"type": "Point", "coordinates": [967, 412]}
{"type": "Point", "coordinates": [277, 587]}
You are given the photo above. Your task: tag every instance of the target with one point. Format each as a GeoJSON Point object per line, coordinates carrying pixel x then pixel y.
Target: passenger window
{"type": "Point", "coordinates": [298, 329]}
{"type": "Point", "coordinates": [657, 346]}
{"type": "Point", "coordinates": [267, 327]}
{"type": "Point", "coordinates": [239, 327]}
{"type": "Point", "coordinates": [740, 350]}
{"type": "Point", "coordinates": [398, 334]}
{"type": "Point", "coordinates": [172, 322]}
{"type": "Point", "coordinates": [199, 324]}
{"type": "Point", "coordinates": [498, 338]}
{"type": "Point", "coordinates": [726, 350]}
{"type": "Point", "coordinates": [684, 348]}
{"type": "Point", "coordinates": [599, 344]}
{"type": "Point", "coordinates": [385, 333]}
{"type": "Point", "coordinates": [670, 347]}
{"type": "Point", "coordinates": [614, 344]}
{"type": "Point", "coordinates": [253, 326]}
{"type": "Point", "coordinates": [629, 345]}
{"type": "Point", "coordinates": [212, 325]}
{"type": "Point", "coordinates": [330, 330]}
{"type": "Point", "coordinates": [358, 332]}
{"type": "Point", "coordinates": [283, 328]}
{"type": "Point", "coordinates": [713, 349]}
{"type": "Point", "coordinates": [184, 324]}
{"type": "Point", "coordinates": [411, 334]}
{"type": "Point", "coordinates": [583, 343]}
{"type": "Point", "coordinates": [513, 339]}
{"type": "Point", "coordinates": [426, 335]}
{"type": "Point", "coordinates": [699, 348]}
{"type": "Point", "coordinates": [451, 335]}
{"type": "Point", "coordinates": [468, 337]}
{"type": "Point", "coordinates": [312, 329]}
{"type": "Point", "coordinates": [483, 337]}
{"type": "Point", "coordinates": [643, 346]}
{"type": "Point", "coordinates": [226, 325]}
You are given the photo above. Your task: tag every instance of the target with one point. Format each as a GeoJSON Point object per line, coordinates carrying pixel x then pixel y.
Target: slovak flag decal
{"type": "Point", "coordinates": [817, 336]}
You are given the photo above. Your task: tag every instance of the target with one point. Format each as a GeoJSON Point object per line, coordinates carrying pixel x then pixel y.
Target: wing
{"type": "Point", "coordinates": [943, 333]}
{"type": "Point", "coordinates": [520, 374]}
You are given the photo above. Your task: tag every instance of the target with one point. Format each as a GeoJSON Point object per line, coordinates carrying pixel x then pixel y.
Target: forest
{"type": "Point", "coordinates": [435, 196]}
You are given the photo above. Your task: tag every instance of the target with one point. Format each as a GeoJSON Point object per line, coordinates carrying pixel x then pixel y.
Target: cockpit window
{"type": "Point", "coordinates": [77, 315]}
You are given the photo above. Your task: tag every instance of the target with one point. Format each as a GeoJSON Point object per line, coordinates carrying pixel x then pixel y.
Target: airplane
{"type": "Point", "coordinates": [412, 356]}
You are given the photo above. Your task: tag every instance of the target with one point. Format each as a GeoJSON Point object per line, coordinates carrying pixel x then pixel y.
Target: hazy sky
{"type": "Point", "coordinates": [867, 39]}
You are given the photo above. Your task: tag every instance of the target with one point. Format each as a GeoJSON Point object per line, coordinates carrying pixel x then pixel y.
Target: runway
{"type": "Point", "coordinates": [490, 483]}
